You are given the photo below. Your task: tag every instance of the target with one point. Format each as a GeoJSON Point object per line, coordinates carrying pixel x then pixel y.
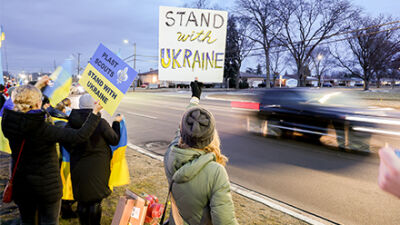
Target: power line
{"type": "Point", "coordinates": [322, 43]}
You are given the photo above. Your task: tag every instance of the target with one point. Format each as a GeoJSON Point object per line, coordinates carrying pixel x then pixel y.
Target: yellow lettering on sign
{"type": "Point", "coordinates": [163, 64]}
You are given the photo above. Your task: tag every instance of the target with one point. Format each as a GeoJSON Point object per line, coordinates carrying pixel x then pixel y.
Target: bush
{"type": "Point", "coordinates": [243, 85]}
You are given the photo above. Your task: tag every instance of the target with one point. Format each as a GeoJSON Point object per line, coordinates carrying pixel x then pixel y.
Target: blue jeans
{"type": "Point", "coordinates": [44, 213]}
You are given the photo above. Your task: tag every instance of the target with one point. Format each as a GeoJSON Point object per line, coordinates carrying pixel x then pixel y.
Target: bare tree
{"type": "Point", "coordinates": [276, 66]}
{"type": "Point", "coordinates": [198, 4]}
{"type": "Point", "coordinates": [394, 69]}
{"type": "Point", "coordinates": [306, 23]}
{"type": "Point", "coordinates": [264, 25]}
{"type": "Point", "coordinates": [371, 47]}
{"type": "Point", "coordinates": [389, 48]}
{"type": "Point", "coordinates": [321, 62]}
{"type": "Point", "coordinates": [238, 47]}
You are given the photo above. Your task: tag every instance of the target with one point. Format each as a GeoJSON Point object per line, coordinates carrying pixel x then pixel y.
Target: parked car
{"type": "Point", "coordinates": [327, 85]}
{"type": "Point", "coordinates": [313, 113]}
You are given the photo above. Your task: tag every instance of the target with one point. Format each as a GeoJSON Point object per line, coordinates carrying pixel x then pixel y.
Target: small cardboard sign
{"type": "Point", "coordinates": [107, 78]}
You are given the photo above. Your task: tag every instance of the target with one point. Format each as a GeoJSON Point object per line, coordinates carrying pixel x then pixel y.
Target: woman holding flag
{"type": "Point", "coordinates": [90, 162]}
{"type": "Point", "coordinates": [37, 186]}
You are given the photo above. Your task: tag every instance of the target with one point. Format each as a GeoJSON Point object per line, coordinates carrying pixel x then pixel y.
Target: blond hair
{"type": "Point", "coordinates": [26, 97]}
{"type": "Point", "coordinates": [213, 147]}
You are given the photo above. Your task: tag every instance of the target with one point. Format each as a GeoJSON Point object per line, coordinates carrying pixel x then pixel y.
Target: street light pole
{"type": "Point", "coordinates": [134, 56]}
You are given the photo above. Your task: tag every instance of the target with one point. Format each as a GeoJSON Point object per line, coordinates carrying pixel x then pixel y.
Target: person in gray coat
{"type": "Point", "coordinates": [196, 168]}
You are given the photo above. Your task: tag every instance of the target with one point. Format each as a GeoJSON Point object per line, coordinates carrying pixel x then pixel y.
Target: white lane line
{"type": "Point", "coordinates": [241, 191]}
{"type": "Point", "coordinates": [141, 115]}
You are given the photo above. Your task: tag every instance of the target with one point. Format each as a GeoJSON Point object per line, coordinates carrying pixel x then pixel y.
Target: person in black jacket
{"type": "Point", "coordinates": [37, 183]}
{"type": "Point", "coordinates": [2, 98]}
{"type": "Point", "coordinates": [90, 162]}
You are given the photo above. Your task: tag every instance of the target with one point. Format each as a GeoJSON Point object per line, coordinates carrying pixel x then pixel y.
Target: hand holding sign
{"type": "Point", "coordinates": [42, 82]}
{"type": "Point", "coordinates": [97, 107]}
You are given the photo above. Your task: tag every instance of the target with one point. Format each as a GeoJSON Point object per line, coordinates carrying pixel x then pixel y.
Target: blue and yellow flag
{"type": "Point", "coordinates": [62, 78]}
{"type": "Point", "coordinates": [66, 175]}
{"type": "Point", "coordinates": [119, 167]}
{"type": "Point", "coordinates": [4, 145]}
{"type": "Point", "coordinates": [2, 38]}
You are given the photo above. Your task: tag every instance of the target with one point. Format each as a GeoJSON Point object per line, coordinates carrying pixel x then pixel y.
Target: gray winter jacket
{"type": "Point", "coordinates": [201, 187]}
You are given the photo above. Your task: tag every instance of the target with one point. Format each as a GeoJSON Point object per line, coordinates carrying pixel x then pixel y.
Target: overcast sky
{"type": "Point", "coordinates": [41, 32]}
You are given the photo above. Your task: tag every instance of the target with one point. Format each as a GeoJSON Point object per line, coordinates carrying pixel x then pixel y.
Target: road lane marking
{"type": "Point", "coordinates": [249, 194]}
{"type": "Point", "coordinates": [141, 115]}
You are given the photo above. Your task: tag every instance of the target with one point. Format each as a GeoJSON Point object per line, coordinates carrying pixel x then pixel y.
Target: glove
{"type": "Point", "coordinates": [196, 89]}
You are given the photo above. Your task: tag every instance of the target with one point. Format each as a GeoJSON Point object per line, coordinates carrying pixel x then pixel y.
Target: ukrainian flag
{"type": "Point", "coordinates": [66, 175]}
{"type": "Point", "coordinates": [62, 78]}
{"type": "Point", "coordinates": [4, 145]}
{"type": "Point", "coordinates": [2, 38]}
{"type": "Point", "coordinates": [119, 167]}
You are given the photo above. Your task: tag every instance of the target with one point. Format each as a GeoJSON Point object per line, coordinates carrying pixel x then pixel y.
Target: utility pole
{"type": "Point", "coordinates": [79, 63]}
{"type": "Point", "coordinates": [134, 56]}
{"type": "Point", "coordinates": [55, 64]}
{"type": "Point", "coordinates": [134, 64]}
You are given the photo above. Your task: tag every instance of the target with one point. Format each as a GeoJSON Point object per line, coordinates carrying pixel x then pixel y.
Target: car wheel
{"type": "Point", "coordinates": [316, 138]}
{"type": "Point", "coordinates": [269, 128]}
{"type": "Point", "coordinates": [351, 140]}
{"type": "Point", "coordinates": [358, 141]}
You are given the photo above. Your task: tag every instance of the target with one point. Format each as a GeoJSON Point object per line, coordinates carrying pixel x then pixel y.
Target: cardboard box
{"type": "Point", "coordinates": [131, 209]}
{"type": "Point", "coordinates": [123, 211]}
{"type": "Point", "coordinates": [139, 209]}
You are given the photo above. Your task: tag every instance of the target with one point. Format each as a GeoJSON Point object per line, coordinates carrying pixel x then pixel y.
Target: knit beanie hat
{"type": "Point", "coordinates": [86, 102]}
{"type": "Point", "coordinates": [197, 127]}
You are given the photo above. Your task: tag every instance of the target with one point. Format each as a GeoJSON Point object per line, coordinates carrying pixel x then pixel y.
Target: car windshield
{"type": "Point", "coordinates": [334, 98]}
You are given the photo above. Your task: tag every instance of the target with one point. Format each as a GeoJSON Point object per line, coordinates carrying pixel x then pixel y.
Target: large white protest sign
{"type": "Point", "coordinates": [191, 44]}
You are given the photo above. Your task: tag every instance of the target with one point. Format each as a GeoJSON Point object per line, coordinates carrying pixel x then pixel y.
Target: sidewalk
{"type": "Point", "coordinates": [147, 176]}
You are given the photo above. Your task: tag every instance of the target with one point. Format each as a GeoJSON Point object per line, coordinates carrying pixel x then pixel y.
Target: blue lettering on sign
{"type": "Point", "coordinates": [120, 74]}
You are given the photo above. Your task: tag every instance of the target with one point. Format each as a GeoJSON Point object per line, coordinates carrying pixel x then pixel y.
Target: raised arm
{"type": "Point", "coordinates": [70, 135]}
{"type": "Point", "coordinates": [112, 134]}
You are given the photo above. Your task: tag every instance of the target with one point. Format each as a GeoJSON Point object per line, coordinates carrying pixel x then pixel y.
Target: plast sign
{"type": "Point", "coordinates": [191, 44]}
{"type": "Point", "coordinates": [107, 78]}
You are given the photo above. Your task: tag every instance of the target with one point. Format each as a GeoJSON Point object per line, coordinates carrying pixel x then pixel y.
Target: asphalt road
{"type": "Point", "coordinates": [339, 186]}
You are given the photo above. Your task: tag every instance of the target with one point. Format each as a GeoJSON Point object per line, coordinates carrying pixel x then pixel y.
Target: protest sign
{"type": "Point", "coordinates": [191, 44]}
{"type": "Point", "coordinates": [107, 78]}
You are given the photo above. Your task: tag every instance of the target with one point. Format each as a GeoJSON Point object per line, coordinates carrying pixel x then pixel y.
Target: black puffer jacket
{"type": "Point", "coordinates": [38, 175]}
{"type": "Point", "coordinates": [90, 161]}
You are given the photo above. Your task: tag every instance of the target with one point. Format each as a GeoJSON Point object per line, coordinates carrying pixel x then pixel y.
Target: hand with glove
{"type": "Point", "coordinates": [196, 88]}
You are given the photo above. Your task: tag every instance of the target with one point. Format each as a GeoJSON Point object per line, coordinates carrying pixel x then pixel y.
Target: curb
{"type": "Point", "coordinates": [253, 195]}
